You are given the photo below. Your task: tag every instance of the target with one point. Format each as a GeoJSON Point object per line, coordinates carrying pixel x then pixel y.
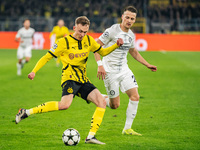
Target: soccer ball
{"type": "Point", "coordinates": [71, 137]}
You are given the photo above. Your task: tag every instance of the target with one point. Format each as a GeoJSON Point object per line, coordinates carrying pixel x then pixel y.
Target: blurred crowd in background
{"type": "Point", "coordinates": [158, 15]}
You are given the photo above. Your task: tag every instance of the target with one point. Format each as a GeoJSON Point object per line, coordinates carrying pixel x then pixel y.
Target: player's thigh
{"type": "Point", "coordinates": [28, 52]}
{"type": "Point", "coordinates": [111, 83]}
{"type": "Point", "coordinates": [90, 93]}
{"type": "Point", "coordinates": [128, 81]}
{"type": "Point", "coordinates": [65, 102]}
{"type": "Point", "coordinates": [96, 98]}
{"type": "Point", "coordinates": [20, 52]}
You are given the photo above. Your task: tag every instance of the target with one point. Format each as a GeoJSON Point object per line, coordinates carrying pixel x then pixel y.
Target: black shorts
{"type": "Point", "coordinates": [80, 89]}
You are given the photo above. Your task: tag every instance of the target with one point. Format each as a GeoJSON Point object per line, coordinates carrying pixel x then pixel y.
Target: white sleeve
{"type": "Point", "coordinates": [18, 34]}
{"type": "Point", "coordinates": [105, 37]}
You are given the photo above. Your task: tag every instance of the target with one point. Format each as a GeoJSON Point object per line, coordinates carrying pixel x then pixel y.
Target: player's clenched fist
{"type": "Point", "coordinates": [120, 42]}
{"type": "Point", "coordinates": [31, 75]}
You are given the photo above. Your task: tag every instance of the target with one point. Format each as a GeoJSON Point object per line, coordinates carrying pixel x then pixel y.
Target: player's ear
{"type": "Point", "coordinates": [74, 28]}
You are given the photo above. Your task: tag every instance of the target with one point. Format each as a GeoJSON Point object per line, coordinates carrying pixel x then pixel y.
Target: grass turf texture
{"type": "Point", "coordinates": [168, 114]}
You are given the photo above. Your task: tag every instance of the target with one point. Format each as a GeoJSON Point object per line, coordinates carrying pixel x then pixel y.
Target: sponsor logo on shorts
{"type": "Point", "coordinates": [70, 90]}
{"type": "Point", "coordinates": [112, 92]}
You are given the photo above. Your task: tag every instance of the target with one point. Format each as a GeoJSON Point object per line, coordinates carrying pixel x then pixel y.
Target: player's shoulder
{"type": "Point", "coordinates": [113, 28]}
{"type": "Point", "coordinates": [32, 29]}
{"type": "Point", "coordinates": [131, 33]}
{"type": "Point", "coordinates": [89, 38]}
{"type": "Point", "coordinates": [21, 29]}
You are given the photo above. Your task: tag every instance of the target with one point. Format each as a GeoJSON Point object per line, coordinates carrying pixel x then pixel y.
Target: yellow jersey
{"type": "Point", "coordinates": [59, 32]}
{"type": "Point", "coordinates": [74, 54]}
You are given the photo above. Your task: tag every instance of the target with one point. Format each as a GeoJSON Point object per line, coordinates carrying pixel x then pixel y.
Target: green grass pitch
{"type": "Point", "coordinates": [168, 114]}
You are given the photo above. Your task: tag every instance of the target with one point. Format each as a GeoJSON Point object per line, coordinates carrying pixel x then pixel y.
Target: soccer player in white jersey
{"type": "Point", "coordinates": [114, 69]}
{"type": "Point", "coordinates": [25, 38]}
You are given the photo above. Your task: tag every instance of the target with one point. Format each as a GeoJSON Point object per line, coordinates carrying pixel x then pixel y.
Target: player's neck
{"type": "Point", "coordinates": [124, 28]}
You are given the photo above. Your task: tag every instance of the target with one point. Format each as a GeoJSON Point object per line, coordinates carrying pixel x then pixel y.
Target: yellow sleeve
{"type": "Point", "coordinates": [96, 47]}
{"type": "Point", "coordinates": [105, 51]}
{"type": "Point", "coordinates": [55, 51]}
{"type": "Point", "coordinates": [42, 62]}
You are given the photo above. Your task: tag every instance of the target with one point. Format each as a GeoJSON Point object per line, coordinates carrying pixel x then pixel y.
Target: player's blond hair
{"type": "Point", "coordinates": [83, 20]}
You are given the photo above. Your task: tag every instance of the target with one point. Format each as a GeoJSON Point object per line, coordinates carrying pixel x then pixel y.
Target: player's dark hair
{"type": "Point", "coordinates": [131, 9]}
{"type": "Point", "coordinates": [83, 20]}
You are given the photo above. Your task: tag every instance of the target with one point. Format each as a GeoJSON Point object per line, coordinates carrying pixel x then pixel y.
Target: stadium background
{"type": "Point", "coordinates": [172, 25]}
{"type": "Point", "coordinates": [168, 114]}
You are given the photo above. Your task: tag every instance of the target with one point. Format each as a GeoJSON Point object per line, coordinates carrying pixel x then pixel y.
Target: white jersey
{"type": "Point", "coordinates": [117, 60]}
{"type": "Point", "coordinates": [26, 36]}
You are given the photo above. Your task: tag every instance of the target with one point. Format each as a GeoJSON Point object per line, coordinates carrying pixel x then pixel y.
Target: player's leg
{"type": "Point", "coordinates": [129, 85]}
{"type": "Point", "coordinates": [27, 54]}
{"type": "Point", "coordinates": [131, 111]}
{"type": "Point", "coordinates": [111, 83]}
{"type": "Point", "coordinates": [67, 96]}
{"type": "Point", "coordinates": [91, 94]}
{"type": "Point", "coordinates": [45, 107]}
{"type": "Point", "coordinates": [19, 57]}
{"type": "Point", "coordinates": [96, 97]}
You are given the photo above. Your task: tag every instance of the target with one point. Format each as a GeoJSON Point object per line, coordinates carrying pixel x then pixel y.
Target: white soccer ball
{"type": "Point", "coordinates": [71, 137]}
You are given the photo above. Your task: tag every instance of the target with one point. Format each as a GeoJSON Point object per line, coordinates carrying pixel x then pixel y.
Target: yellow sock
{"type": "Point", "coordinates": [96, 120]}
{"type": "Point", "coordinates": [45, 107]}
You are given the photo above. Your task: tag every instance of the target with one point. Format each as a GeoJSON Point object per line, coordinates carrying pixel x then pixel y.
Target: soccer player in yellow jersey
{"type": "Point", "coordinates": [74, 51]}
{"type": "Point", "coordinates": [59, 31]}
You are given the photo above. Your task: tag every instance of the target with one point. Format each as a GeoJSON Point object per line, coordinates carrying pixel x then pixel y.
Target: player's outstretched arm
{"type": "Point", "coordinates": [39, 65]}
{"type": "Point", "coordinates": [135, 54]}
{"type": "Point", "coordinates": [108, 50]}
{"type": "Point", "coordinates": [31, 75]}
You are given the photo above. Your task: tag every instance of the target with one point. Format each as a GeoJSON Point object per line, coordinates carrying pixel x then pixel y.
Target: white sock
{"type": "Point", "coordinates": [19, 66]}
{"type": "Point", "coordinates": [19, 69]}
{"type": "Point", "coordinates": [131, 113]}
{"type": "Point", "coordinates": [107, 100]}
{"type": "Point", "coordinates": [28, 112]}
{"type": "Point", "coordinates": [90, 135]}
{"type": "Point", "coordinates": [23, 61]}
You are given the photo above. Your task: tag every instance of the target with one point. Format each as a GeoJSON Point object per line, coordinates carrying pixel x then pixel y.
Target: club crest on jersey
{"type": "Point", "coordinates": [85, 46]}
{"type": "Point", "coordinates": [71, 56]}
{"type": "Point", "coordinates": [70, 90]}
{"type": "Point", "coordinates": [106, 34]}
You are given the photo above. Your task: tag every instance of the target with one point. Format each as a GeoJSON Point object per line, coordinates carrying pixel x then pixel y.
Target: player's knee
{"type": "Point", "coordinates": [101, 103]}
{"type": "Point", "coordinates": [135, 97]}
{"type": "Point", "coordinates": [114, 106]}
{"type": "Point", "coordinates": [63, 106]}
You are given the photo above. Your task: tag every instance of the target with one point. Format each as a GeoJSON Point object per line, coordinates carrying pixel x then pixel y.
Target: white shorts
{"type": "Point", "coordinates": [24, 52]}
{"type": "Point", "coordinates": [124, 80]}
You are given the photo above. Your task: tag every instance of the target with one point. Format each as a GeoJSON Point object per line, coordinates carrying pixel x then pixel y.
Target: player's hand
{"type": "Point", "coordinates": [101, 73]}
{"type": "Point", "coordinates": [153, 68]}
{"type": "Point", "coordinates": [31, 75]}
{"type": "Point", "coordinates": [120, 42]}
